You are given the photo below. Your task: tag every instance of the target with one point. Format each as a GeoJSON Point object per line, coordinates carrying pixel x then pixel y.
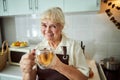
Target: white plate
{"type": "Point", "coordinates": [18, 46]}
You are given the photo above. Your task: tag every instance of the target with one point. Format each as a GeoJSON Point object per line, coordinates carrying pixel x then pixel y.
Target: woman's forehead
{"type": "Point", "coordinates": [47, 21]}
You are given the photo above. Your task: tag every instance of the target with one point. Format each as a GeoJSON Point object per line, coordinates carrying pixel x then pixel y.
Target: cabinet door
{"type": "Point", "coordinates": [81, 5]}
{"type": "Point", "coordinates": [3, 7]}
{"type": "Point", "coordinates": [23, 7]}
{"type": "Point", "coordinates": [46, 4]}
{"type": "Point", "coordinates": [8, 78]}
{"type": "Point", "coordinates": [18, 7]}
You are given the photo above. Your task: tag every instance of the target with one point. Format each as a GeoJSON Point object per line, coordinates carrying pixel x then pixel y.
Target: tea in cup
{"type": "Point", "coordinates": [44, 57]}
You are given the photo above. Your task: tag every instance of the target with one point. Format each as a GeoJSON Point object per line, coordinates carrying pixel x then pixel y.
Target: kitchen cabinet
{"type": "Point", "coordinates": [23, 7]}
{"type": "Point", "coordinates": [15, 7]}
{"type": "Point", "coordinates": [3, 7]}
{"type": "Point", "coordinates": [81, 5]}
{"type": "Point", "coordinates": [46, 4]}
{"type": "Point", "coordinates": [20, 7]}
{"type": "Point", "coordinates": [8, 78]}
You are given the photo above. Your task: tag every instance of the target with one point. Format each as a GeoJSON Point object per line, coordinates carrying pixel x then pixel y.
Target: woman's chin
{"type": "Point", "coordinates": [48, 36]}
{"type": "Point", "coordinates": [49, 39]}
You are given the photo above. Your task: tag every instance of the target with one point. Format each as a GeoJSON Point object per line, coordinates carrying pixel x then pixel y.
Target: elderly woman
{"type": "Point", "coordinates": [73, 67]}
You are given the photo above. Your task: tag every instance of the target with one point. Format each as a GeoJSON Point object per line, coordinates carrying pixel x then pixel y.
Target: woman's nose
{"type": "Point", "coordinates": [48, 29]}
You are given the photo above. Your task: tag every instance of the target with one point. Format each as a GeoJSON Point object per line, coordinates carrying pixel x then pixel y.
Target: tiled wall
{"type": "Point", "coordinates": [99, 34]}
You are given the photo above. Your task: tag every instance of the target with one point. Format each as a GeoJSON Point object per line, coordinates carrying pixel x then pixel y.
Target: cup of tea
{"type": "Point", "coordinates": [44, 58]}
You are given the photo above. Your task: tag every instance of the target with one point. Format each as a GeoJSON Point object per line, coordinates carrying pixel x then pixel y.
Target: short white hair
{"type": "Point", "coordinates": [54, 14]}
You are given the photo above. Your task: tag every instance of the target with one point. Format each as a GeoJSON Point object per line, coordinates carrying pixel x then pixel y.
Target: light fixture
{"type": "Point", "coordinates": [109, 3]}
{"type": "Point", "coordinates": [118, 8]}
{"type": "Point", "coordinates": [113, 5]}
{"type": "Point", "coordinates": [105, 1]}
{"type": "Point", "coordinates": [108, 12]}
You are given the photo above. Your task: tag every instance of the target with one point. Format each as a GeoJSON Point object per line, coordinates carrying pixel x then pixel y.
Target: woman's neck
{"type": "Point", "coordinates": [55, 43]}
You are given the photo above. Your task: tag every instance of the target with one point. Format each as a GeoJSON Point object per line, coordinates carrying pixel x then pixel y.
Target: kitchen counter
{"type": "Point", "coordinates": [92, 65]}
{"type": "Point", "coordinates": [12, 72]}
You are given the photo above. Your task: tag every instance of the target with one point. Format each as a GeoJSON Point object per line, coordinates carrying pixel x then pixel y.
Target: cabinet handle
{"type": "Point", "coordinates": [97, 3]}
{"type": "Point", "coordinates": [30, 4]}
{"type": "Point", "coordinates": [36, 4]}
{"type": "Point", "coordinates": [4, 5]}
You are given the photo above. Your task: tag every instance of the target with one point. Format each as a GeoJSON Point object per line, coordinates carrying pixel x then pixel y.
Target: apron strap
{"type": "Point", "coordinates": [64, 48]}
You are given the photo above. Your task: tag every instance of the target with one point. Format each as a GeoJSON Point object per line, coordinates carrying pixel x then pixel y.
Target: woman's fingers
{"type": "Point", "coordinates": [54, 62]}
{"type": "Point", "coordinates": [27, 62]}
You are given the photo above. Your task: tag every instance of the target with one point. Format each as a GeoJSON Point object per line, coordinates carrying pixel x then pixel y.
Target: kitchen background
{"type": "Point", "coordinates": [99, 35]}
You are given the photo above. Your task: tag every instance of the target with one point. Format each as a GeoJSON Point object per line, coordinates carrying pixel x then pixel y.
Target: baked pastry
{"type": "Point", "coordinates": [45, 58]}
{"type": "Point", "coordinates": [91, 73]}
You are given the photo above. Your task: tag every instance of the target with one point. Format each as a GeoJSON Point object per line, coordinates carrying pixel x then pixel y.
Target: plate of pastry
{"type": "Point", "coordinates": [19, 44]}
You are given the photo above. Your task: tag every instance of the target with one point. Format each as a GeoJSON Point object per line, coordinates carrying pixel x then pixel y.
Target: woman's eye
{"type": "Point", "coordinates": [44, 26]}
{"type": "Point", "coordinates": [53, 26]}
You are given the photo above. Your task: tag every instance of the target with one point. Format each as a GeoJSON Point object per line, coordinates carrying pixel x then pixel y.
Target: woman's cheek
{"type": "Point", "coordinates": [43, 31]}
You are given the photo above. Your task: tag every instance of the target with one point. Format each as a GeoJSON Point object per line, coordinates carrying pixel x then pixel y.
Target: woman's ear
{"type": "Point", "coordinates": [61, 26]}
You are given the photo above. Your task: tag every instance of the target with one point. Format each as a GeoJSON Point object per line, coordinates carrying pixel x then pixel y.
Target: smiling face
{"type": "Point", "coordinates": [52, 23]}
{"type": "Point", "coordinates": [50, 30]}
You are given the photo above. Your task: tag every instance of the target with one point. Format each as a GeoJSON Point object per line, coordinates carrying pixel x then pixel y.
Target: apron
{"type": "Point", "coordinates": [50, 74]}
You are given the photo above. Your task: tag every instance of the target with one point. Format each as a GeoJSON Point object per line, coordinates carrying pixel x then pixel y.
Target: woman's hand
{"type": "Point", "coordinates": [26, 64]}
{"type": "Point", "coordinates": [69, 71]}
{"type": "Point", "coordinates": [54, 63]}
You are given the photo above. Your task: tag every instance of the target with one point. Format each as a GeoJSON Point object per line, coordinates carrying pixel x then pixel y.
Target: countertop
{"type": "Point", "coordinates": [92, 65]}
{"type": "Point", "coordinates": [14, 71]}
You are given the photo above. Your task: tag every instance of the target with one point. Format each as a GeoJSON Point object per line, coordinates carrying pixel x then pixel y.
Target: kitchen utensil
{"type": "Point", "coordinates": [111, 63]}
